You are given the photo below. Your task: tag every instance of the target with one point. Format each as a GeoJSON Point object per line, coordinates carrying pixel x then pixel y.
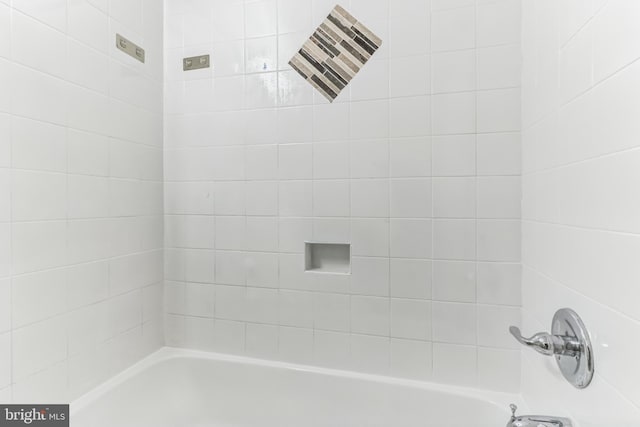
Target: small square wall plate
{"type": "Point", "coordinates": [335, 53]}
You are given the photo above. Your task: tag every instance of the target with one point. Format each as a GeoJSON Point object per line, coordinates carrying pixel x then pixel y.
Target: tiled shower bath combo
{"type": "Point", "coordinates": [307, 212]}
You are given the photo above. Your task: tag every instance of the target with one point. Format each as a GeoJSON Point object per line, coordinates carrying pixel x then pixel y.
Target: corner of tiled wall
{"type": "Point", "coordinates": [80, 194]}
{"type": "Point", "coordinates": [581, 85]}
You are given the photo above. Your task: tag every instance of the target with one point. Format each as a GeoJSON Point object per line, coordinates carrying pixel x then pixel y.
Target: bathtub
{"type": "Point", "coordinates": [184, 388]}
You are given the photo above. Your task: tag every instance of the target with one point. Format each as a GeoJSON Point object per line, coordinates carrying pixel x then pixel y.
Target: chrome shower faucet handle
{"type": "Point", "coordinates": [568, 342]}
{"type": "Point", "coordinates": [547, 344]}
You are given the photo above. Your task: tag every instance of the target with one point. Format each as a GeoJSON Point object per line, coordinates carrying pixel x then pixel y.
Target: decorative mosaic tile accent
{"type": "Point", "coordinates": [335, 52]}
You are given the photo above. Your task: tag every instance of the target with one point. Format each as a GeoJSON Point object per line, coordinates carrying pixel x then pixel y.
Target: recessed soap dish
{"type": "Point", "coordinates": [321, 257]}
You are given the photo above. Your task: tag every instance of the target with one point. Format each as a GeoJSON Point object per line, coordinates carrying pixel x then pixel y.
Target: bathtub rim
{"type": "Point", "coordinates": [495, 398]}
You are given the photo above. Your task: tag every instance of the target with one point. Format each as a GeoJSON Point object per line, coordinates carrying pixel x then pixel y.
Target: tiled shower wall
{"type": "Point", "coordinates": [80, 194]}
{"type": "Point", "coordinates": [581, 211]}
{"type": "Point", "coordinates": [416, 164]}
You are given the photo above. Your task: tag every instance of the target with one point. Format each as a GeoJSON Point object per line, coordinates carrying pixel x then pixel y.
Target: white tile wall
{"type": "Point", "coordinates": [580, 219]}
{"type": "Point", "coordinates": [80, 195]}
{"type": "Point", "coordinates": [417, 164]}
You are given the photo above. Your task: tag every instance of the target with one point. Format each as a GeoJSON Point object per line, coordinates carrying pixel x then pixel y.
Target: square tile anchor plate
{"type": "Point", "coordinates": [335, 52]}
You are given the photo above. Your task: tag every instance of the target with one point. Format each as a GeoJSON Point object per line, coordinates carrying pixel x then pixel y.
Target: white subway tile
{"type": "Point", "coordinates": [498, 23]}
{"type": "Point", "coordinates": [499, 67]}
{"type": "Point", "coordinates": [228, 336]}
{"type": "Point", "coordinates": [409, 76]}
{"type": "Point", "coordinates": [295, 198]}
{"type": "Point", "coordinates": [262, 305]}
{"type": "Point", "coordinates": [331, 198]}
{"type": "Point", "coordinates": [454, 197]}
{"type": "Point", "coordinates": [499, 369]}
{"type": "Point", "coordinates": [615, 49]}
{"type": "Point", "coordinates": [262, 269]}
{"type": "Point", "coordinates": [410, 319]}
{"type": "Point", "coordinates": [370, 354]}
{"type": "Point", "coordinates": [407, 33]}
{"type": "Point", "coordinates": [38, 145]}
{"type": "Point", "coordinates": [331, 349]}
{"type": "Point", "coordinates": [260, 18]}
{"type": "Point", "coordinates": [37, 347]}
{"type": "Point", "coordinates": [295, 124]}
{"type": "Point", "coordinates": [87, 284]}
{"type": "Point", "coordinates": [499, 283]}
{"type": "Point", "coordinates": [38, 246]}
{"type": "Point", "coordinates": [411, 238]}
{"type": "Point", "coordinates": [409, 116]}
{"type": "Point", "coordinates": [499, 110]}
{"type": "Point", "coordinates": [228, 21]}
{"type": "Point", "coordinates": [499, 154]}
{"type": "Point", "coordinates": [370, 276]}
{"type": "Point", "coordinates": [296, 309]}
{"type": "Point", "coordinates": [453, 29]}
{"type": "Point", "coordinates": [88, 328]}
{"type": "Point", "coordinates": [454, 155]}
{"type": "Point", "coordinates": [47, 385]}
{"type": "Point", "coordinates": [454, 239]}
{"type": "Point", "coordinates": [454, 281]}
{"type": "Point", "coordinates": [454, 71]}
{"type": "Point", "coordinates": [262, 234]}
{"type": "Point", "coordinates": [499, 197]}
{"type": "Point", "coordinates": [262, 198]}
{"type": "Point", "coordinates": [230, 302]}
{"type": "Point", "coordinates": [576, 65]}
{"type": "Point", "coordinates": [336, 114]}
{"type": "Point", "coordinates": [295, 161]}
{"type": "Point", "coordinates": [369, 159]}
{"type": "Point", "coordinates": [410, 157]}
{"type": "Point", "coordinates": [295, 345]}
{"type": "Point", "coordinates": [369, 119]}
{"type": "Point", "coordinates": [499, 240]}
{"type": "Point", "coordinates": [38, 96]}
{"type": "Point", "coordinates": [454, 323]}
{"type": "Point", "coordinates": [231, 233]}
{"type": "Point", "coordinates": [330, 160]}
{"type": "Point", "coordinates": [38, 296]}
{"type": "Point", "coordinates": [262, 341]}
{"type": "Point", "coordinates": [199, 266]}
{"type": "Point", "coordinates": [36, 45]}
{"type": "Point", "coordinates": [199, 333]}
{"type": "Point", "coordinates": [455, 364]}
{"type": "Point", "coordinates": [370, 198]}
{"type": "Point", "coordinates": [410, 278]}
{"type": "Point", "coordinates": [370, 315]}
{"type": "Point", "coordinates": [331, 312]}
{"type": "Point", "coordinates": [454, 113]}
{"type": "Point", "coordinates": [87, 153]}
{"type": "Point", "coordinates": [411, 359]}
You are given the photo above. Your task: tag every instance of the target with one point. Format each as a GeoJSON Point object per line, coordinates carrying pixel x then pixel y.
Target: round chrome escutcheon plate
{"type": "Point", "coordinates": [577, 369]}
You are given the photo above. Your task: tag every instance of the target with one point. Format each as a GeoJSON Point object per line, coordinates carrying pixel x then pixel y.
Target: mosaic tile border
{"type": "Point", "coordinates": [335, 53]}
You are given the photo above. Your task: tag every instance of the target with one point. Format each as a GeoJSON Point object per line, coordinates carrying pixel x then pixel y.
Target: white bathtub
{"type": "Point", "coordinates": [183, 388]}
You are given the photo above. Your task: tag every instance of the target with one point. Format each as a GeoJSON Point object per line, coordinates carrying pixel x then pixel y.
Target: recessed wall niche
{"type": "Point", "coordinates": [328, 257]}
